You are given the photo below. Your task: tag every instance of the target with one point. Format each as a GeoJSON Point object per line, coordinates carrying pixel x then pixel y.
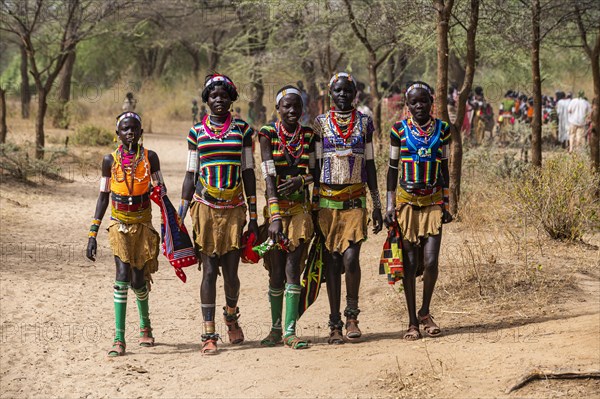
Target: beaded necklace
{"type": "Point", "coordinates": [293, 143]}
{"type": "Point", "coordinates": [421, 133]}
{"type": "Point", "coordinates": [129, 166]}
{"type": "Point", "coordinates": [214, 131]}
{"type": "Point", "coordinates": [341, 121]}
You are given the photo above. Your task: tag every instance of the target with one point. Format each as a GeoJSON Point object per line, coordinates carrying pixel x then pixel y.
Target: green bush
{"type": "Point", "coordinates": [562, 196]}
{"type": "Point", "coordinates": [93, 136]}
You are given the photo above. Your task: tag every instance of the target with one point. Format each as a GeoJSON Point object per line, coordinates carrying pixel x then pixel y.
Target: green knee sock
{"type": "Point", "coordinates": [142, 305]}
{"type": "Point", "coordinates": [292, 298]}
{"type": "Point", "coordinates": [120, 298]}
{"type": "Point", "coordinates": [276, 301]}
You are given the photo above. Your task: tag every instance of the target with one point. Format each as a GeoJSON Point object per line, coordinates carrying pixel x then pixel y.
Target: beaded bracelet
{"type": "Point", "coordinates": [252, 207]}
{"type": "Point", "coordinates": [274, 209]}
{"type": "Point", "coordinates": [376, 199]}
{"type": "Point", "coordinates": [94, 227]}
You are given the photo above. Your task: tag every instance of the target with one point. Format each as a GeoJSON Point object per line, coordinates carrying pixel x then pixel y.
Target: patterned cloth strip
{"type": "Point", "coordinates": [176, 243]}
{"type": "Point", "coordinates": [313, 274]}
{"type": "Point", "coordinates": [391, 256]}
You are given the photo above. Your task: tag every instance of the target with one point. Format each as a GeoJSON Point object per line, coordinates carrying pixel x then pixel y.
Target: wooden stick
{"type": "Point", "coordinates": [543, 374]}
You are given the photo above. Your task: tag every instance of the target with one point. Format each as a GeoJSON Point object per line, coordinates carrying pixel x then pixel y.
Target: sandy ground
{"type": "Point", "coordinates": [56, 322]}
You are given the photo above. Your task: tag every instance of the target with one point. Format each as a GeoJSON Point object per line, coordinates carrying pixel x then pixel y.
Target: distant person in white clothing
{"type": "Point", "coordinates": [579, 109]}
{"type": "Point", "coordinates": [562, 110]}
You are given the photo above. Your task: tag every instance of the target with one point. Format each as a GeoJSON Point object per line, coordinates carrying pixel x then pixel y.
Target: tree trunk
{"type": "Point", "coordinates": [456, 145]}
{"type": "Point", "coordinates": [375, 97]}
{"type": "Point", "coordinates": [195, 64]}
{"type": "Point", "coordinates": [163, 57]}
{"type": "Point", "coordinates": [213, 60]}
{"type": "Point", "coordinates": [536, 123]}
{"type": "Point", "coordinates": [64, 89]}
{"type": "Point", "coordinates": [310, 79]}
{"type": "Point", "coordinates": [194, 52]}
{"type": "Point", "coordinates": [259, 89]}
{"type": "Point", "coordinates": [595, 136]}
{"type": "Point", "coordinates": [391, 71]}
{"type": "Point", "coordinates": [25, 93]}
{"type": "Point", "coordinates": [456, 71]}
{"type": "Point", "coordinates": [61, 117]}
{"type": "Point", "coordinates": [441, 101]}
{"type": "Point", "coordinates": [401, 64]}
{"type": "Point", "coordinates": [3, 128]}
{"type": "Point", "coordinates": [40, 140]}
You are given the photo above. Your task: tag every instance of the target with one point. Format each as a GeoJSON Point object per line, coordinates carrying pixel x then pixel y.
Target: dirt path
{"type": "Point", "coordinates": [56, 321]}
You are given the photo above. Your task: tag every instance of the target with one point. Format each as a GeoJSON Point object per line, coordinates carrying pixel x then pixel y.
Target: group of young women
{"type": "Point", "coordinates": [335, 156]}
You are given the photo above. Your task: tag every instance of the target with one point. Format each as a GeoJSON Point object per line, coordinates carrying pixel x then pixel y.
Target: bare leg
{"type": "Point", "coordinates": [230, 262]}
{"type": "Point", "coordinates": [431, 252]}
{"type": "Point", "coordinates": [292, 265]}
{"type": "Point", "coordinates": [208, 291]}
{"type": "Point", "coordinates": [353, 275]}
{"type": "Point", "coordinates": [333, 264]}
{"type": "Point", "coordinates": [410, 256]}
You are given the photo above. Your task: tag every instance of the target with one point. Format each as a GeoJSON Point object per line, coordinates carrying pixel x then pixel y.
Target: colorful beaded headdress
{"type": "Point", "coordinates": [219, 78]}
{"type": "Point", "coordinates": [415, 86]}
{"type": "Point", "coordinates": [339, 75]}
{"type": "Point", "coordinates": [285, 92]}
{"type": "Point", "coordinates": [126, 115]}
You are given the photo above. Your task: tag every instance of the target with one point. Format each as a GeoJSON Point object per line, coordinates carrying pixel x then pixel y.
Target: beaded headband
{"type": "Point", "coordinates": [339, 75]}
{"type": "Point", "coordinates": [415, 86]}
{"type": "Point", "coordinates": [285, 92]}
{"type": "Point", "coordinates": [128, 115]}
{"type": "Point", "coordinates": [219, 78]}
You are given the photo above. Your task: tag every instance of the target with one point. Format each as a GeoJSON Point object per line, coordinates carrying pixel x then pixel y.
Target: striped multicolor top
{"type": "Point", "coordinates": [220, 162]}
{"type": "Point", "coordinates": [421, 173]}
{"type": "Point", "coordinates": [288, 166]}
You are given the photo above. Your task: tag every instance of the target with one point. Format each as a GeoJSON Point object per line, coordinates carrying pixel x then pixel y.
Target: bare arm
{"type": "Point", "coordinates": [266, 152]}
{"type": "Point", "coordinates": [101, 206]}
{"type": "Point", "coordinates": [372, 178]}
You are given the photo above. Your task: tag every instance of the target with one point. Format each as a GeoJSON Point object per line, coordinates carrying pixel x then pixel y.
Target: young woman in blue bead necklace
{"type": "Point", "coordinates": [418, 164]}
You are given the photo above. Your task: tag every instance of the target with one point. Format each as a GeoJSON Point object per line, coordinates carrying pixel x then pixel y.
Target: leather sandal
{"type": "Point", "coordinates": [412, 334]}
{"type": "Point", "coordinates": [335, 337]}
{"type": "Point", "coordinates": [273, 339]}
{"type": "Point", "coordinates": [353, 333]}
{"type": "Point", "coordinates": [209, 344]}
{"type": "Point", "coordinates": [429, 325]}
{"type": "Point", "coordinates": [146, 338]}
{"type": "Point", "coordinates": [295, 342]}
{"type": "Point", "coordinates": [118, 349]}
{"type": "Point", "coordinates": [234, 331]}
